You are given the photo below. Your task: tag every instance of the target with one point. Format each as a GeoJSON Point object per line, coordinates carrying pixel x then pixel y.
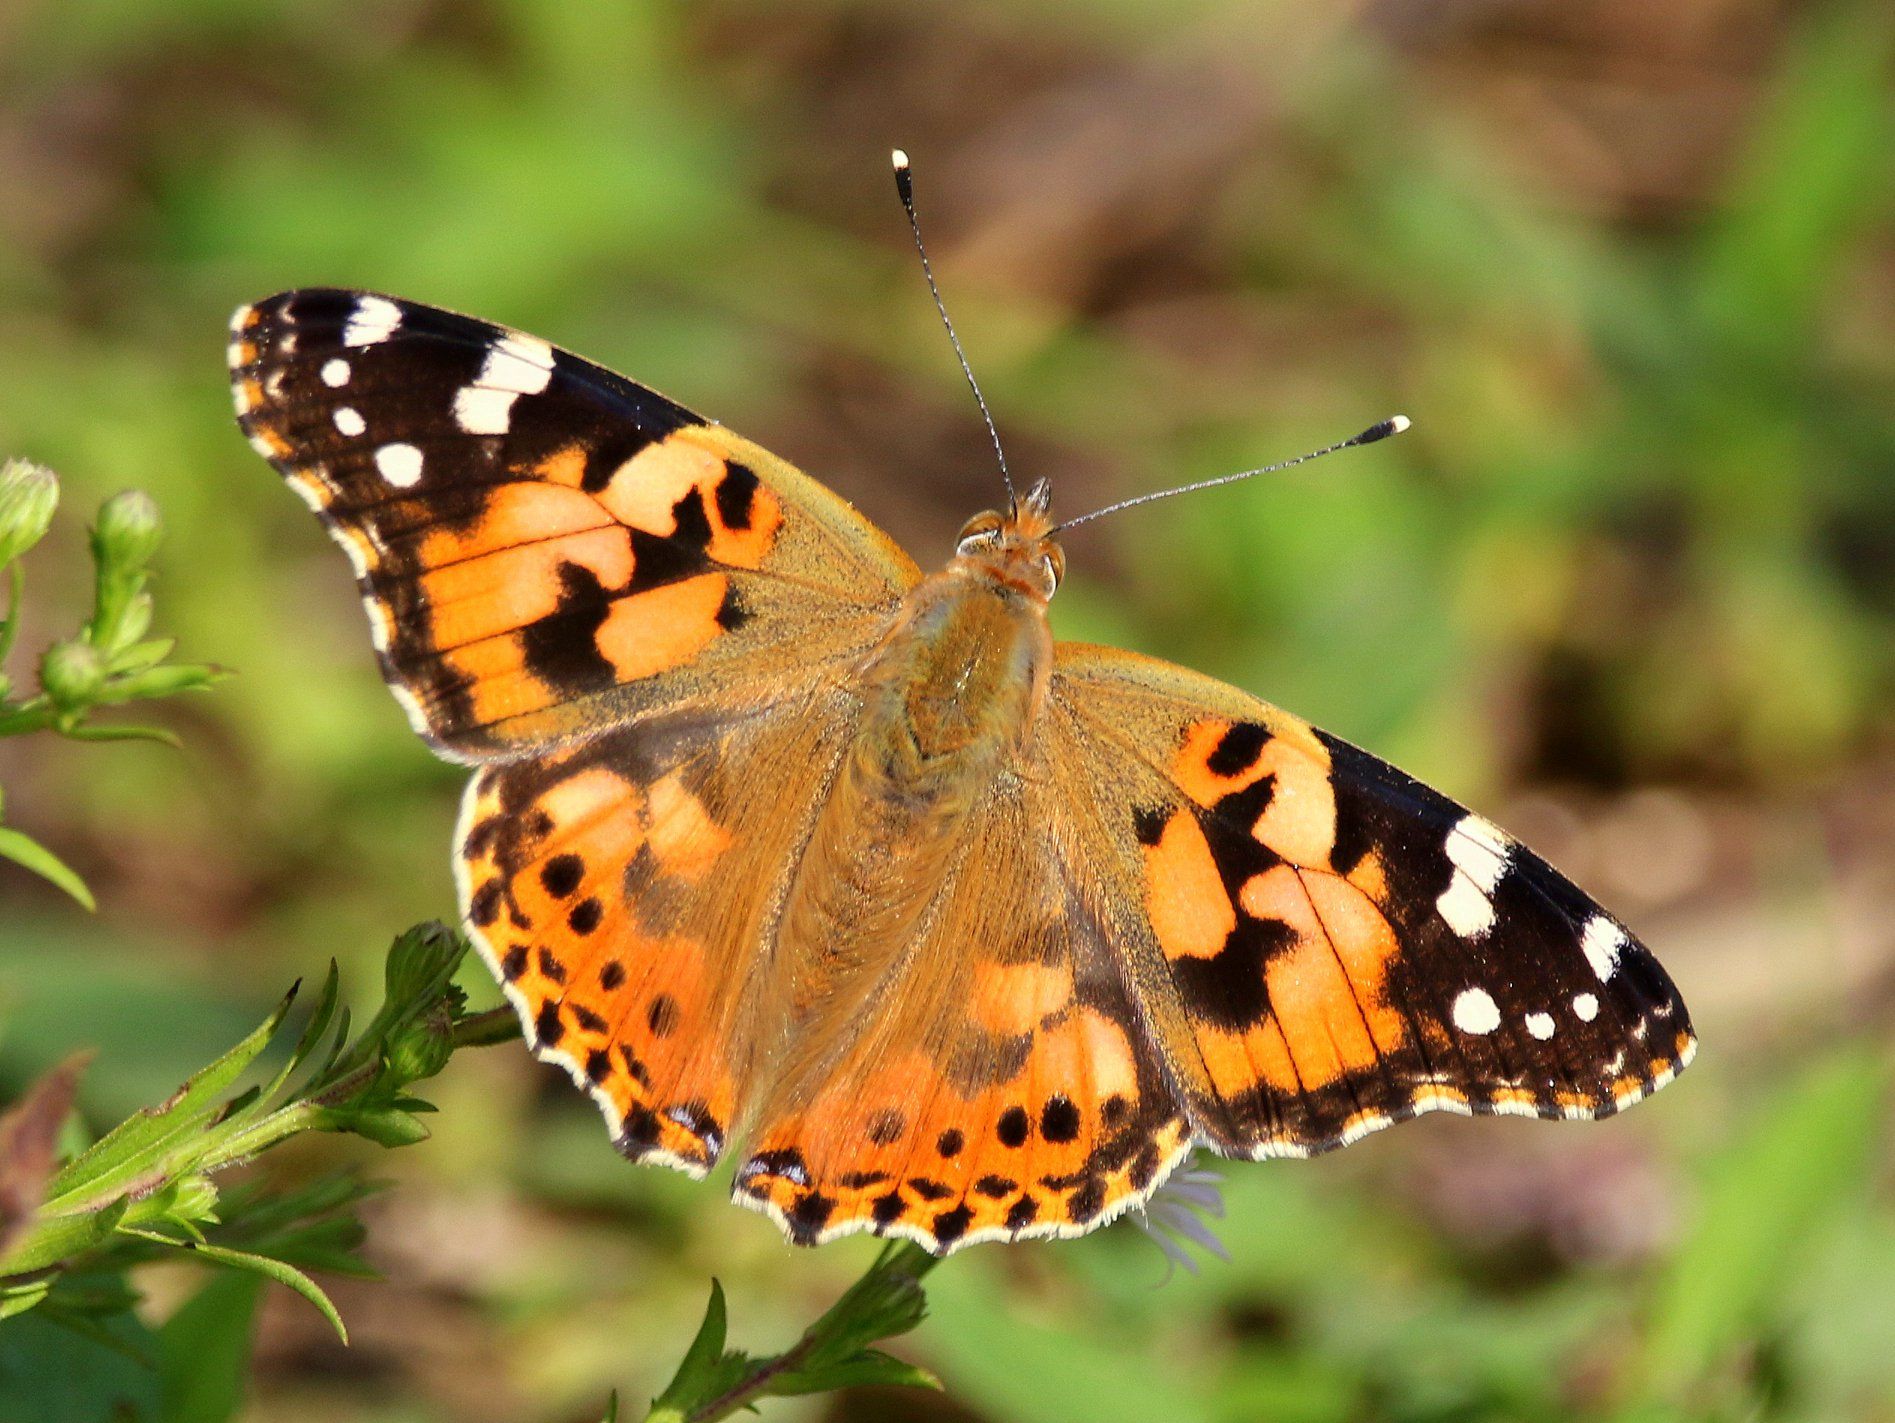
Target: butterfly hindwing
{"type": "Point", "coordinates": [622, 891]}
{"type": "Point", "coordinates": [544, 547]}
{"type": "Point", "coordinates": [1000, 1087]}
{"type": "Point", "coordinates": [1329, 946]}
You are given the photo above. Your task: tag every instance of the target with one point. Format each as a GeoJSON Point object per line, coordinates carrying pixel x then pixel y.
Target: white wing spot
{"type": "Point", "coordinates": [1479, 852]}
{"type": "Point", "coordinates": [335, 372]}
{"type": "Point", "coordinates": [400, 464]}
{"type": "Point", "coordinates": [1602, 941]}
{"type": "Point", "coordinates": [480, 411]}
{"type": "Point", "coordinates": [349, 420]}
{"type": "Point", "coordinates": [1586, 1006]}
{"type": "Point", "coordinates": [515, 365]}
{"type": "Point", "coordinates": [1540, 1025]}
{"type": "Point", "coordinates": [517, 362]}
{"type": "Point", "coordinates": [374, 319]}
{"type": "Point", "coordinates": [1469, 912]}
{"type": "Point", "coordinates": [1476, 1012]}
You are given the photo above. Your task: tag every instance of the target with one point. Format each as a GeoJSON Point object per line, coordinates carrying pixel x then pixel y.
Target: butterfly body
{"type": "Point", "coordinates": [962, 933]}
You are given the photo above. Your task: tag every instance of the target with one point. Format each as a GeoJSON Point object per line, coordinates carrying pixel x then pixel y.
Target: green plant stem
{"type": "Point", "coordinates": [496, 1025]}
{"type": "Point", "coordinates": [10, 625]}
{"type": "Point", "coordinates": [746, 1391]}
{"type": "Point", "coordinates": [35, 715]}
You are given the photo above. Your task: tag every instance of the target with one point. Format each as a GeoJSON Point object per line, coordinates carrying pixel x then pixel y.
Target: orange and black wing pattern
{"type": "Point", "coordinates": [1003, 1088]}
{"type": "Point", "coordinates": [622, 891]}
{"type": "Point", "coordinates": [1325, 946]}
{"type": "Point", "coordinates": [545, 548]}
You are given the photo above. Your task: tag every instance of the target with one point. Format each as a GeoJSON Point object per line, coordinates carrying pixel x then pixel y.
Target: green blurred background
{"type": "Point", "coordinates": [1628, 586]}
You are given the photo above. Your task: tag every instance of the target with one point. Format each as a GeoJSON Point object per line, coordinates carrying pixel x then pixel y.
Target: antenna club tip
{"type": "Point", "coordinates": [1394, 425]}
{"type": "Point", "coordinates": [900, 159]}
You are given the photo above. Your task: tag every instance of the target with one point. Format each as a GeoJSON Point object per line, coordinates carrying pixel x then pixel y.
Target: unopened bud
{"type": "Point", "coordinates": [421, 1049]}
{"type": "Point", "coordinates": [421, 961]}
{"type": "Point", "coordinates": [127, 532]}
{"type": "Point", "coordinates": [28, 495]}
{"type": "Point", "coordinates": [72, 674]}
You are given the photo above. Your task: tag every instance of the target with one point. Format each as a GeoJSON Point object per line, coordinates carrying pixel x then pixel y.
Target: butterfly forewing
{"type": "Point", "coordinates": [1326, 945]}
{"type": "Point", "coordinates": [544, 547]}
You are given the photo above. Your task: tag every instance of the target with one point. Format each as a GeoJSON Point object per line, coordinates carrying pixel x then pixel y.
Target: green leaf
{"type": "Point", "coordinates": [204, 1350]}
{"type": "Point", "coordinates": [18, 1296]}
{"type": "Point", "coordinates": [706, 1373]}
{"type": "Point", "coordinates": [136, 1147]}
{"type": "Point", "coordinates": [306, 1043]}
{"type": "Point", "coordinates": [139, 656]}
{"type": "Point", "coordinates": [870, 1367]}
{"type": "Point", "coordinates": [29, 854]}
{"type": "Point", "coordinates": [284, 1274]}
{"type": "Point", "coordinates": [122, 733]}
{"type": "Point", "coordinates": [708, 1344]}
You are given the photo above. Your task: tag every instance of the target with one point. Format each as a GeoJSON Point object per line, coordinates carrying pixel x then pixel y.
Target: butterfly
{"type": "Point", "coordinates": [962, 933]}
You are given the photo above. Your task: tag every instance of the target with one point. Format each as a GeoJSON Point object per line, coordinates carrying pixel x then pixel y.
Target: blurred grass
{"type": "Point", "coordinates": [1627, 267]}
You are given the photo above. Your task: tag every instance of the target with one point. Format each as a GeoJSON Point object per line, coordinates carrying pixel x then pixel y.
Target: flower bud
{"type": "Point", "coordinates": [127, 532]}
{"type": "Point", "coordinates": [72, 674]}
{"type": "Point", "coordinates": [387, 1126]}
{"type": "Point", "coordinates": [28, 495]}
{"type": "Point", "coordinates": [421, 962]}
{"type": "Point", "coordinates": [421, 1049]}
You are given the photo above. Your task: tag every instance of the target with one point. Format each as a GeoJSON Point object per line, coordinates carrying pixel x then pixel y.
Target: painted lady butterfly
{"type": "Point", "coordinates": [968, 934]}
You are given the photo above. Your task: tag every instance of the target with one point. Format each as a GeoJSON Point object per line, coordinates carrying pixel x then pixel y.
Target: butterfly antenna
{"type": "Point", "coordinates": [905, 185]}
{"type": "Point", "coordinates": [1394, 425]}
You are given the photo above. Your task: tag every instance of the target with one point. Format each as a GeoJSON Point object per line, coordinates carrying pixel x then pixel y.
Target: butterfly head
{"type": "Point", "coordinates": [1019, 548]}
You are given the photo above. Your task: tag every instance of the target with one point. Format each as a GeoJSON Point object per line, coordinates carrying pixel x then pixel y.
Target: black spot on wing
{"type": "Point", "coordinates": [1227, 990]}
{"type": "Point", "coordinates": [1237, 749]}
{"type": "Point", "coordinates": [561, 649]}
{"type": "Point", "coordinates": [660, 559]}
{"type": "Point", "coordinates": [731, 613]}
{"type": "Point", "coordinates": [1013, 1127]}
{"type": "Point", "coordinates": [736, 491]}
{"type": "Point", "coordinates": [693, 523]}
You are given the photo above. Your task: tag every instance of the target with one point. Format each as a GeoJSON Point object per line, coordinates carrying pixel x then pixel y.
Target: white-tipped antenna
{"type": "Point", "coordinates": [1394, 425]}
{"type": "Point", "coordinates": [905, 185]}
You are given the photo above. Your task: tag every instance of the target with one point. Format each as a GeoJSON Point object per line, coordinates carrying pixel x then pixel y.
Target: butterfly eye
{"type": "Point", "coordinates": [978, 533]}
{"type": "Point", "coordinates": [1056, 564]}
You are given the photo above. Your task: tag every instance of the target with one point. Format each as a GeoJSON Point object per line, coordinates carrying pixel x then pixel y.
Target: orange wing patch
{"type": "Point", "coordinates": [667, 487]}
{"type": "Point", "coordinates": [629, 1011]}
{"type": "Point", "coordinates": [1080, 1132]}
